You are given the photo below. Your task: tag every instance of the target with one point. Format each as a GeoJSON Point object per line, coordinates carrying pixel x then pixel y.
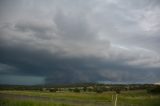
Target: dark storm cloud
{"type": "Point", "coordinates": [66, 41]}
{"type": "Point", "coordinates": [61, 70]}
{"type": "Point", "coordinates": [58, 69]}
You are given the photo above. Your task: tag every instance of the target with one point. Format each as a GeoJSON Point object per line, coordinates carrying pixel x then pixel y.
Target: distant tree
{"type": "Point", "coordinates": [70, 89]}
{"type": "Point", "coordinates": [53, 90]}
{"type": "Point", "coordinates": [43, 89]}
{"type": "Point", "coordinates": [154, 90]}
{"type": "Point", "coordinates": [118, 90]}
{"type": "Point", "coordinates": [76, 90]}
{"type": "Point", "coordinates": [84, 89]}
{"type": "Point", "coordinates": [98, 89]}
{"type": "Point", "coordinates": [89, 89]}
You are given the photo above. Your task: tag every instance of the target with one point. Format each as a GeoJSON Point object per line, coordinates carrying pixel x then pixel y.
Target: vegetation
{"type": "Point", "coordinates": [76, 90]}
{"type": "Point", "coordinates": [15, 102]}
{"type": "Point", "coordinates": [154, 90]}
{"type": "Point", "coordinates": [95, 95]}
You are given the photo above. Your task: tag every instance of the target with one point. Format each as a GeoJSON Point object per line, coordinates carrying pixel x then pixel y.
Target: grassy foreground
{"type": "Point", "coordinates": [15, 102]}
{"type": "Point", "coordinates": [127, 98]}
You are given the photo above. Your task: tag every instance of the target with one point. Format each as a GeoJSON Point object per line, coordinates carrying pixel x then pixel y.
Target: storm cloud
{"type": "Point", "coordinates": [70, 41]}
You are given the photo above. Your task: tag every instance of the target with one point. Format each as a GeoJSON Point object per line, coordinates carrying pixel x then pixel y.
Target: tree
{"type": "Point", "coordinates": [118, 90]}
{"type": "Point", "coordinates": [76, 90]}
{"type": "Point", "coordinates": [154, 90]}
{"type": "Point", "coordinates": [84, 89]}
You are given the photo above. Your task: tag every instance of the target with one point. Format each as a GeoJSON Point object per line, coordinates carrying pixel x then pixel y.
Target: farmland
{"type": "Point", "coordinates": [71, 98]}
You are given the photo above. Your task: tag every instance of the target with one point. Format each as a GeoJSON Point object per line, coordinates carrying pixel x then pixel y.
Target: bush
{"type": "Point", "coordinates": [53, 90]}
{"type": "Point", "coordinates": [154, 90]}
{"type": "Point", "coordinates": [84, 89]}
{"type": "Point", "coordinates": [70, 89]}
{"type": "Point", "coordinates": [118, 91]}
{"type": "Point", "coordinates": [76, 90]}
{"type": "Point", "coordinates": [98, 90]}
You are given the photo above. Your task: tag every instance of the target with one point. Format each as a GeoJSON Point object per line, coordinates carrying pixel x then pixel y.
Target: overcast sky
{"type": "Point", "coordinates": [70, 41]}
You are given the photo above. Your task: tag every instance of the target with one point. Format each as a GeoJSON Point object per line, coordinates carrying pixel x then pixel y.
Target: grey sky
{"type": "Point", "coordinates": [69, 41]}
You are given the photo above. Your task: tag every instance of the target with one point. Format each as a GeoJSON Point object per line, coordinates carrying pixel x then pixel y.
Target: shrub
{"type": "Point", "coordinates": [84, 89]}
{"type": "Point", "coordinates": [98, 90]}
{"type": "Point", "coordinates": [154, 90]}
{"type": "Point", "coordinates": [118, 91]}
{"type": "Point", "coordinates": [76, 90]}
{"type": "Point", "coordinates": [53, 90]}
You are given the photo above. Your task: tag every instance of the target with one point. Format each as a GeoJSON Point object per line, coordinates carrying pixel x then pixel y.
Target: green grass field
{"type": "Point", "coordinates": [37, 98]}
{"type": "Point", "coordinates": [15, 102]}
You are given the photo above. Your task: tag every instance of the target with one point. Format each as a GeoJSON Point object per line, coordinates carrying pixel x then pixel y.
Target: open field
{"type": "Point", "coordinates": [66, 98]}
